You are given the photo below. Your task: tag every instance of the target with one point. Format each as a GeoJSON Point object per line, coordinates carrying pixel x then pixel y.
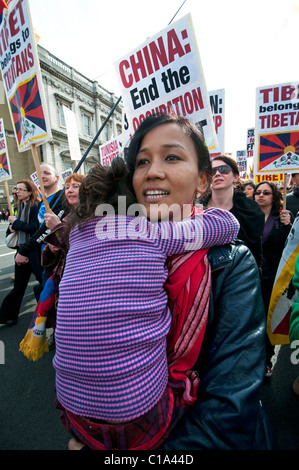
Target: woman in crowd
{"type": "Point", "coordinates": [225, 175]}
{"type": "Point", "coordinates": [25, 223]}
{"type": "Point", "coordinates": [166, 163]}
{"type": "Point", "coordinates": [249, 188]}
{"type": "Point", "coordinates": [112, 316]}
{"type": "Point", "coordinates": [275, 233]}
{"type": "Point", "coordinates": [35, 343]}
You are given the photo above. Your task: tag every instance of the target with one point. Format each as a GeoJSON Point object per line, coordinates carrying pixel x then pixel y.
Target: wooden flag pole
{"type": "Point", "coordinates": [39, 175]}
{"type": "Point", "coordinates": [284, 201]}
{"type": "Point", "coordinates": [8, 198]}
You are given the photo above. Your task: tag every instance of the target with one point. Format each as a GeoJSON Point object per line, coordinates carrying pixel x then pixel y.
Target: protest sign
{"type": "Point", "coordinates": [22, 81]}
{"type": "Point", "coordinates": [5, 170]}
{"type": "Point", "coordinates": [72, 133]}
{"type": "Point", "coordinates": [242, 163]}
{"type": "Point", "coordinates": [164, 74]}
{"type": "Point", "coordinates": [66, 174]}
{"type": "Point", "coordinates": [217, 107]}
{"type": "Point", "coordinates": [250, 143]}
{"type": "Point", "coordinates": [21, 76]}
{"type": "Point", "coordinates": [277, 129]}
{"type": "Point", "coordinates": [275, 178]}
{"type": "Point", "coordinates": [277, 123]}
{"type": "Point", "coordinates": [3, 5]}
{"type": "Point", "coordinates": [34, 178]}
{"type": "Point", "coordinates": [110, 150]}
{"type": "Point", "coordinates": [126, 130]}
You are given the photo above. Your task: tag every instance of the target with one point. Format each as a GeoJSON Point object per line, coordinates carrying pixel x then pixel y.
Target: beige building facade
{"type": "Point", "coordinates": [91, 103]}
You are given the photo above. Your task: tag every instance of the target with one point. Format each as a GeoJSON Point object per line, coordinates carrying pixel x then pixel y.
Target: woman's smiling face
{"type": "Point", "coordinates": [166, 172]}
{"type": "Point", "coordinates": [72, 192]}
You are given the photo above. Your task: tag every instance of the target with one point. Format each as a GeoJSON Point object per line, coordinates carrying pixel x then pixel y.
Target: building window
{"type": "Point", "coordinates": [106, 131]}
{"type": "Point", "coordinates": [61, 115]}
{"type": "Point", "coordinates": [62, 101]}
{"type": "Point", "coordinates": [68, 164]}
{"type": "Point", "coordinates": [88, 165]}
{"type": "Point", "coordinates": [86, 123]}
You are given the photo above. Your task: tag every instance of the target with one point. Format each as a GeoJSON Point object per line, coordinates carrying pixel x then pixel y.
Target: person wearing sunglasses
{"type": "Point", "coordinates": [225, 195]}
{"type": "Point", "coordinates": [278, 224]}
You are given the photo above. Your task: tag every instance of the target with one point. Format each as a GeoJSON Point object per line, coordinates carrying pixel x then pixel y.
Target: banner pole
{"type": "Point", "coordinates": [284, 200]}
{"type": "Point", "coordinates": [176, 13]}
{"type": "Point", "coordinates": [96, 136]}
{"type": "Point", "coordinates": [91, 145]}
{"type": "Point", "coordinates": [8, 197]}
{"type": "Point", "coordinates": [39, 175]}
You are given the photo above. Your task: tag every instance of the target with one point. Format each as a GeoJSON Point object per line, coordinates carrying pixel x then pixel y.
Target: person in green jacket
{"type": "Point", "coordinates": [15, 201]}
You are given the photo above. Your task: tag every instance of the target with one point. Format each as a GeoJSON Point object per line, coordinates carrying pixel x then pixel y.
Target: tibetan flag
{"type": "Point", "coordinates": [284, 294]}
{"type": "Point", "coordinates": [5, 170]}
{"type": "Point", "coordinates": [27, 111]}
{"type": "Point", "coordinates": [2, 7]}
{"type": "Point", "coordinates": [4, 167]}
{"type": "Point", "coordinates": [21, 77]}
{"type": "Point", "coordinates": [279, 151]}
{"type": "Point", "coordinates": [34, 345]}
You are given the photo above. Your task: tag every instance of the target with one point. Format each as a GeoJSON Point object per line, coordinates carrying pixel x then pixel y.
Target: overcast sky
{"type": "Point", "coordinates": [242, 45]}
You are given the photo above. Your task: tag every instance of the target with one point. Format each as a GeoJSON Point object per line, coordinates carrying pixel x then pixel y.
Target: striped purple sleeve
{"type": "Point", "coordinates": [204, 230]}
{"type": "Point", "coordinates": [219, 227]}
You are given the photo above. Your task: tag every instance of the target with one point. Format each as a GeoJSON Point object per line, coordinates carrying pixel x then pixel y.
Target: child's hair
{"type": "Point", "coordinates": [103, 185]}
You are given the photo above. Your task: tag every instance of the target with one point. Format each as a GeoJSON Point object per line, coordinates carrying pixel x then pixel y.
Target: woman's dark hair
{"type": "Point", "coordinates": [103, 185]}
{"type": "Point", "coordinates": [276, 196]}
{"type": "Point", "coordinates": [249, 183]}
{"type": "Point", "coordinates": [238, 185]}
{"type": "Point", "coordinates": [191, 130]}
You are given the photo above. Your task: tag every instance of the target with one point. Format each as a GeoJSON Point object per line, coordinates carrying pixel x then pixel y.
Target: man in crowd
{"type": "Point", "coordinates": [292, 199]}
{"type": "Point", "coordinates": [50, 180]}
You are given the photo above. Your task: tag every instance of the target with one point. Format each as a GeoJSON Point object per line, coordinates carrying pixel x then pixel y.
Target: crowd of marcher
{"type": "Point", "coordinates": [142, 271]}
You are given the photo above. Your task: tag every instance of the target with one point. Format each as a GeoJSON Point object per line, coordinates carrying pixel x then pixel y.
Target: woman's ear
{"type": "Point", "coordinates": [203, 183]}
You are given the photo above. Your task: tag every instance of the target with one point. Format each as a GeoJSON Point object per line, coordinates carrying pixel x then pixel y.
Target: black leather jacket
{"type": "Point", "coordinates": [232, 362]}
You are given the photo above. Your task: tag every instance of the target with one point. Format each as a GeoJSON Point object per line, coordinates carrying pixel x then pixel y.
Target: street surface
{"type": "Point", "coordinates": [28, 418]}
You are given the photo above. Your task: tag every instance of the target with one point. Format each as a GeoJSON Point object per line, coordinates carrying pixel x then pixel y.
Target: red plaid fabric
{"type": "Point", "coordinates": [144, 433]}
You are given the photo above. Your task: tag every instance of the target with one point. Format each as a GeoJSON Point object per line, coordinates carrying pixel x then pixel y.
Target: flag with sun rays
{"type": "Point", "coordinates": [27, 112]}
{"type": "Point", "coordinates": [279, 152]}
{"type": "Point", "coordinates": [3, 5]}
{"type": "Point", "coordinates": [21, 76]}
{"type": "Point", "coordinates": [277, 129]}
{"type": "Point", "coordinates": [5, 173]}
{"type": "Point", "coordinates": [284, 293]}
{"type": "Point", "coordinates": [5, 170]}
